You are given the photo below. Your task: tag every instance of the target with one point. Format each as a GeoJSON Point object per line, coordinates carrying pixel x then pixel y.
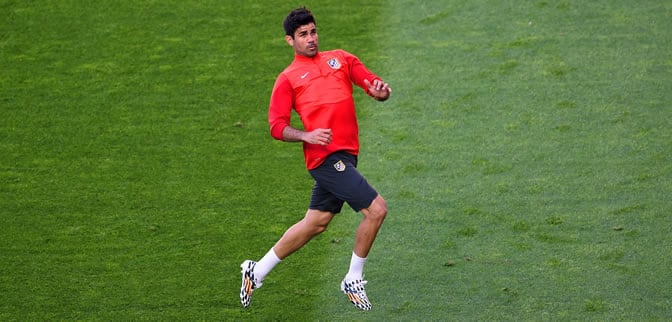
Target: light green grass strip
{"type": "Point", "coordinates": [525, 158]}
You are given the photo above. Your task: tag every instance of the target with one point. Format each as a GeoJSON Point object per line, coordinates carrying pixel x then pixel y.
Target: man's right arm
{"type": "Point", "coordinates": [280, 107]}
{"type": "Point", "coordinates": [279, 114]}
{"type": "Point", "coordinates": [317, 136]}
{"type": "Point", "coordinates": [290, 134]}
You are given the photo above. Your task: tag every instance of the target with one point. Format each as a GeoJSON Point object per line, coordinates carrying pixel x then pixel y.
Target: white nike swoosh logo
{"type": "Point", "coordinates": [304, 75]}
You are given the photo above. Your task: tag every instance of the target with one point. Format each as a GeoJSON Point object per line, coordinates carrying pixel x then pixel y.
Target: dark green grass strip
{"type": "Point", "coordinates": [136, 168]}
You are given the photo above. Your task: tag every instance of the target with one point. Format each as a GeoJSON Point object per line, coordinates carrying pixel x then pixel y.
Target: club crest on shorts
{"type": "Point", "coordinates": [334, 63]}
{"type": "Point", "coordinates": [339, 166]}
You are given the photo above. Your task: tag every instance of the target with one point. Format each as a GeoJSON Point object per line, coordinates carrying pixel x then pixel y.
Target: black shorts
{"type": "Point", "coordinates": [336, 181]}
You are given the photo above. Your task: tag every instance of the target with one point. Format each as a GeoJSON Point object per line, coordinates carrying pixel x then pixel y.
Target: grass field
{"type": "Point", "coordinates": [525, 155]}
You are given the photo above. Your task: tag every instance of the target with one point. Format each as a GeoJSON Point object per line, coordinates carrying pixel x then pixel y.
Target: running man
{"type": "Point", "coordinates": [318, 86]}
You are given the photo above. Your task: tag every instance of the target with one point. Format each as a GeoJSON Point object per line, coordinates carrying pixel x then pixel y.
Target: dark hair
{"type": "Point", "coordinates": [297, 18]}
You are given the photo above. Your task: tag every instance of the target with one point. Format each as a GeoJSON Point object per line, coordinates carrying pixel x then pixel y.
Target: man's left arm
{"type": "Point", "coordinates": [367, 80]}
{"type": "Point", "coordinates": [379, 90]}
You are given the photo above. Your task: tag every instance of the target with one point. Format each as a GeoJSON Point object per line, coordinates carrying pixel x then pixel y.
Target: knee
{"type": "Point", "coordinates": [378, 209]}
{"type": "Point", "coordinates": [319, 228]}
{"type": "Point", "coordinates": [381, 213]}
{"type": "Point", "coordinates": [311, 229]}
{"type": "Point", "coordinates": [317, 222]}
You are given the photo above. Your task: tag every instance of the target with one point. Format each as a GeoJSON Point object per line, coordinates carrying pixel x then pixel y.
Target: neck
{"type": "Point", "coordinates": [304, 57]}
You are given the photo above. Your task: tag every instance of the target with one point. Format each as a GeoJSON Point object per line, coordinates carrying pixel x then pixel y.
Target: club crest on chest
{"type": "Point", "coordinates": [334, 63]}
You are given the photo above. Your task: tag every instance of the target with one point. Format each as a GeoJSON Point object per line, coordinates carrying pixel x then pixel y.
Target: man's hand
{"type": "Point", "coordinates": [317, 136]}
{"type": "Point", "coordinates": [379, 89]}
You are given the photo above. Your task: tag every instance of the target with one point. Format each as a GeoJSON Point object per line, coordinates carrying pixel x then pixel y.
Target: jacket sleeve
{"type": "Point", "coordinates": [280, 107]}
{"type": "Point", "coordinates": [359, 72]}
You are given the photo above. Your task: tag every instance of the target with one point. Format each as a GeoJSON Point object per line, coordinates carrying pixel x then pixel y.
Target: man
{"type": "Point", "coordinates": [318, 86]}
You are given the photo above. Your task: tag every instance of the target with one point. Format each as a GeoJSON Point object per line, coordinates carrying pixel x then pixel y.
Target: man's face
{"type": "Point", "coordinates": [304, 41]}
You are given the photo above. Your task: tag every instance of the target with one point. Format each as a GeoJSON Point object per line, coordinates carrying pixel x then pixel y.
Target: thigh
{"type": "Point", "coordinates": [323, 200]}
{"type": "Point", "coordinates": [339, 176]}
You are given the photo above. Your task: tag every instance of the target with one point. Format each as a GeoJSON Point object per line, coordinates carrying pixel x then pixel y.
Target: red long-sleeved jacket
{"type": "Point", "coordinates": [319, 88]}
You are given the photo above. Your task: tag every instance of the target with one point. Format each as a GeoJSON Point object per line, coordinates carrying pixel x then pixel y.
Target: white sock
{"type": "Point", "coordinates": [265, 265]}
{"type": "Point", "coordinates": [356, 271]}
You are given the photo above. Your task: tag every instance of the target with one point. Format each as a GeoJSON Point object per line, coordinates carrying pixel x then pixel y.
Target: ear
{"type": "Point", "coordinates": [289, 40]}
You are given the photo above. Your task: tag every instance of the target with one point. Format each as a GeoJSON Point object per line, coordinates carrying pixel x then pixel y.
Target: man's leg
{"type": "Point", "coordinates": [302, 232]}
{"type": "Point", "coordinates": [365, 236]}
{"type": "Point", "coordinates": [369, 226]}
{"type": "Point", "coordinates": [353, 283]}
{"type": "Point", "coordinates": [313, 223]}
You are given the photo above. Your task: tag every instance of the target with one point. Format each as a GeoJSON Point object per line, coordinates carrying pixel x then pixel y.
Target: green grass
{"type": "Point", "coordinates": [525, 156]}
